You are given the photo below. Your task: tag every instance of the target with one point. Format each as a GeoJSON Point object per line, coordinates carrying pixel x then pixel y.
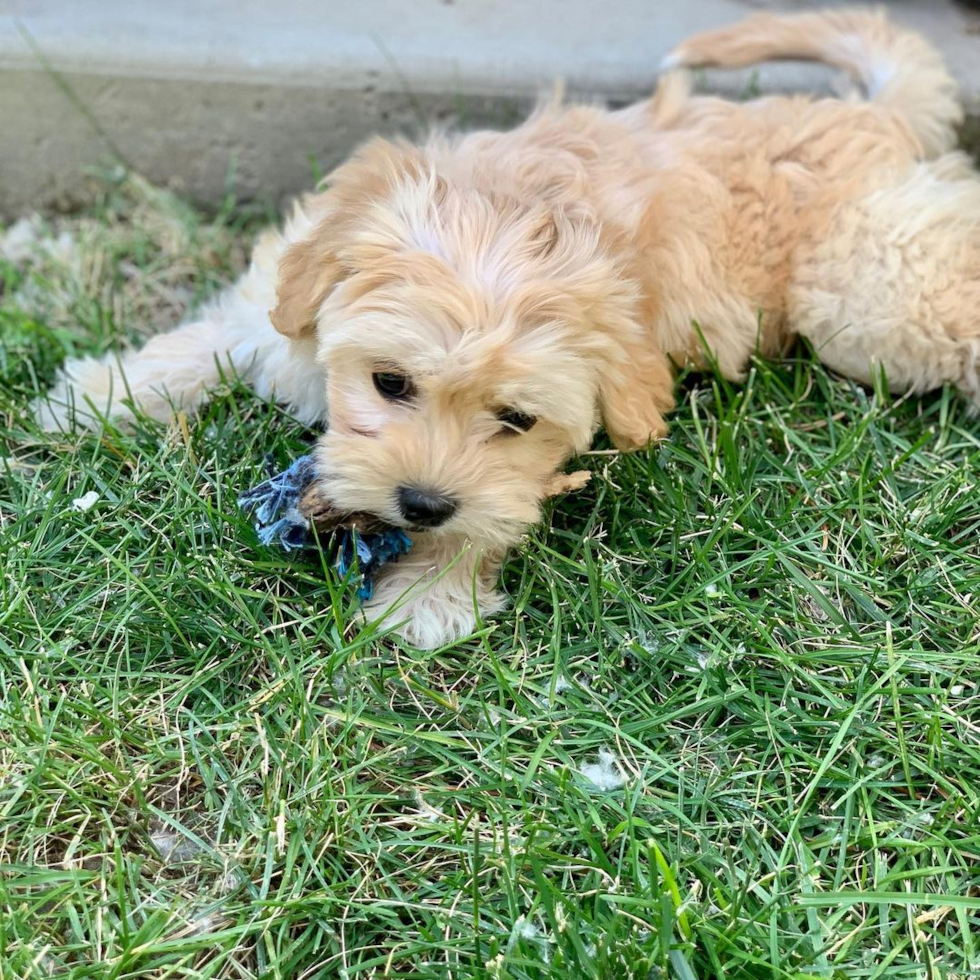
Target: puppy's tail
{"type": "Point", "coordinates": [896, 67]}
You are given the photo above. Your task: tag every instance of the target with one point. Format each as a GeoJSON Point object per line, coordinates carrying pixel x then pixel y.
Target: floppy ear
{"type": "Point", "coordinates": [308, 271]}
{"type": "Point", "coordinates": [635, 395]}
{"type": "Point", "coordinates": [311, 268]}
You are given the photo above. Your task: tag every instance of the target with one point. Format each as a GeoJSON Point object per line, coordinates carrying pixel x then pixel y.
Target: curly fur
{"type": "Point", "coordinates": [560, 270]}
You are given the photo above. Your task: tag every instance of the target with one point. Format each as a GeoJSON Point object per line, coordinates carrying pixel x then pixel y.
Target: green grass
{"type": "Point", "coordinates": [208, 768]}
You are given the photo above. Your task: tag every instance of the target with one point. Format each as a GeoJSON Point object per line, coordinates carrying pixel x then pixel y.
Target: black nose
{"type": "Point", "coordinates": [425, 508]}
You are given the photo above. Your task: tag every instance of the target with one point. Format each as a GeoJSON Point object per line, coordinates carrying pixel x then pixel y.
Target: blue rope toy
{"type": "Point", "coordinates": [279, 522]}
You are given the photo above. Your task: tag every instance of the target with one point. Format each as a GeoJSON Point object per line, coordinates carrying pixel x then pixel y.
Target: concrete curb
{"type": "Point", "coordinates": [191, 93]}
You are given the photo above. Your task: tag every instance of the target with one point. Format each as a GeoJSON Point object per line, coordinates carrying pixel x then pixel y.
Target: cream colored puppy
{"type": "Point", "coordinates": [466, 314]}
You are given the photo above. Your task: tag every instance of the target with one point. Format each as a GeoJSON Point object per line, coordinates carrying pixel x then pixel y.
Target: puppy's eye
{"type": "Point", "coordinates": [514, 419]}
{"type": "Point", "coordinates": [395, 387]}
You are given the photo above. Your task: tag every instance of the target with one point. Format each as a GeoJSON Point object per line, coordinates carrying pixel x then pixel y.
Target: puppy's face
{"type": "Point", "coordinates": [462, 360]}
{"type": "Point", "coordinates": [447, 412]}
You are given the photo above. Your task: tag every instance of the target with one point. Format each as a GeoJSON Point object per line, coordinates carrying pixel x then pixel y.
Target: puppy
{"type": "Point", "coordinates": [465, 315]}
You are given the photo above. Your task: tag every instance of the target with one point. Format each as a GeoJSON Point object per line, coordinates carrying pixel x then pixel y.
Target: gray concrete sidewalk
{"type": "Point", "coordinates": [196, 94]}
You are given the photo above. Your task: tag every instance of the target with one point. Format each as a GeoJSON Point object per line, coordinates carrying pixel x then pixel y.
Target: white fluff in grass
{"type": "Point", "coordinates": [426, 809]}
{"type": "Point", "coordinates": [649, 642]}
{"type": "Point", "coordinates": [30, 241]}
{"type": "Point", "coordinates": [165, 842]}
{"type": "Point", "coordinates": [717, 658]}
{"type": "Point", "coordinates": [525, 929]}
{"type": "Point", "coordinates": [86, 501]}
{"type": "Point", "coordinates": [561, 684]}
{"type": "Point", "coordinates": [172, 848]}
{"type": "Point", "coordinates": [203, 924]}
{"type": "Point", "coordinates": [604, 774]}
{"type": "Point", "coordinates": [21, 239]}
{"type": "Point", "coordinates": [229, 881]}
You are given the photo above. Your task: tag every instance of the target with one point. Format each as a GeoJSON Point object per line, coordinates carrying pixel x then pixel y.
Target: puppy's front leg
{"type": "Point", "coordinates": [434, 594]}
{"type": "Point", "coordinates": [178, 369]}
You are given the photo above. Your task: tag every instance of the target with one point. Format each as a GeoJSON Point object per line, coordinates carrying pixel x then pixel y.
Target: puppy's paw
{"type": "Point", "coordinates": [433, 599]}
{"type": "Point", "coordinates": [425, 622]}
{"type": "Point", "coordinates": [434, 595]}
{"type": "Point", "coordinates": [637, 434]}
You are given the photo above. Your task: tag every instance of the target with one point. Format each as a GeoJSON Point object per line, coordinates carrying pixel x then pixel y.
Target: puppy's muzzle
{"type": "Point", "coordinates": [425, 508]}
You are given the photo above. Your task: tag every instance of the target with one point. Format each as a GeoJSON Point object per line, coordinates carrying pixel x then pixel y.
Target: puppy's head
{"type": "Point", "coordinates": [467, 339]}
